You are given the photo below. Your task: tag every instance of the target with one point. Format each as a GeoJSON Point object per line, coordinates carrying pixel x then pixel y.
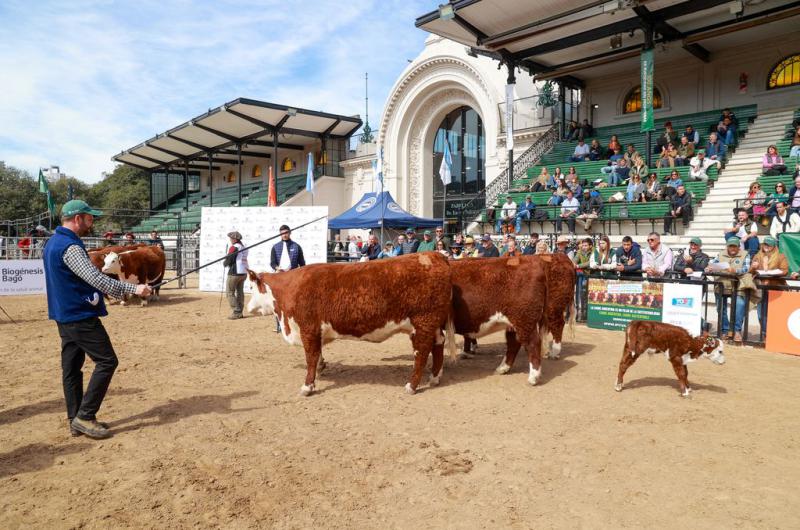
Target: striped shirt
{"type": "Point", "coordinates": [79, 263]}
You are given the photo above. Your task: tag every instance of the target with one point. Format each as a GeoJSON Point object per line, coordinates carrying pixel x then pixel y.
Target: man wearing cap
{"type": "Point", "coordinates": [785, 220]}
{"type": "Point", "coordinates": [74, 300]}
{"type": "Point", "coordinates": [236, 261]}
{"type": "Point", "coordinates": [470, 250]}
{"type": "Point", "coordinates": [411, 244]}
{"type": "Point", "coordinates": [488, 250]}
{"type": "Point", "coordinates": [508, 214]}
{"type": "Point", "coordinates": [525, 212]}
{"type": "Point", "coordinates": [693, 261]}
{"type": "Point", "coordinates": [738, 263]}
{"type": "Point", "coordinates": [427, 244]}
{"type": "Point", "coordinates": [562, 244]}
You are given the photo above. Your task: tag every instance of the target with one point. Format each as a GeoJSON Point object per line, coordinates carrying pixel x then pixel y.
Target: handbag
{"type": "Point", "coordinates": [759, 209]}
{"type": "Point", "coordinates": [623, 212]}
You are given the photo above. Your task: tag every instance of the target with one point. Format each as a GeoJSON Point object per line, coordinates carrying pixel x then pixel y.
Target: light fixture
{"type": "Point", "coordinates": [291, 111]}
{"type": "Point", "coordinates": [616, 41]}
{"type": "Point", "coordinates": [736, 7]}
{"type": "Point", "coordinates": [446, 12]}
{"type": "Point", "coordinates": [595, 106]}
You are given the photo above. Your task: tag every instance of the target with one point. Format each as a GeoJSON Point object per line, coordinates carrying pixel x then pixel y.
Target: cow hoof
{"type": "Point", "coordinates": [502, 369]}
{"type": "Point", "coordinates": [618, 387]}
{"type": "Point", "coordinates": [434, 381]}
{"type": "Point", "coordinates": [410, 390]}
{"type": "Point", "coordinates": [533, 376]}
{"type": "Point", "coordinates": [555, 351]}
{"type": "Point", "coordinates": [687, 393]}
{"type": "Point", "coordinates": [306, 390]}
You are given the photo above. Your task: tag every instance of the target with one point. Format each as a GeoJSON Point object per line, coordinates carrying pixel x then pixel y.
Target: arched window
{"type": "Point", "coordinates": [633, 101]}
{"type": "Point", "coordinates": [256, 171]}
{"type": "Point", "coordinates": [231, 177]}
{"type": "Point", "coordinates": [288, 165]}
{"type": "Point", "coordinates": [785, 73]}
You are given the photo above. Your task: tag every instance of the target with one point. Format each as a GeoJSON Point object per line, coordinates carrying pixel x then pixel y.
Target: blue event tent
{"type": "Point", "coordinates": [376, 208]}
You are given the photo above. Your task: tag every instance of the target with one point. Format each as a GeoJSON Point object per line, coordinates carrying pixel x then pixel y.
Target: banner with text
{"type": "Point", "coordinates": [22, 276]}
{"type": "Point", "coordinates": [647, 91]}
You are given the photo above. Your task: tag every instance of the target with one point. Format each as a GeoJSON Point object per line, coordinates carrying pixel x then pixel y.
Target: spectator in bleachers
{"type": "Point", "coordinates": [557, 174]}
{"type": "Point", "coordinates": [582, 260]}
{"type": "Point", "coordinates": [794, 195]}
{"type": "Point", "coordinates": [680, 205]}
{"type": "Point", "coordinates": [488, 250]}
{"type": "Point", "coordinates": [622, 171]}
{"type": "Point", "coordinates": [652, 188]}
{"type": "Point", "coordinates": [530, 248]}
{"type": "Point", "coordinates": [581, 152]}
{"type": "Point", "coordinates": [542, 247]}
{"type": "Point", "coordinates": [372, 249]}
{"type": "Point", "coordinates": [591, 208]}
{"type": "Point", "coordinates": [769, 258]}
{"type": "Point", "coordinates": [596, 151]}
{"type": "Point", "coordinates": [673, 181]}
{"type": "Point", "coordinates": [715, 150]}
{"type": "Point", "coordinates": [610, 173]}
{"type": "Point", "coordinates": [744, 230]}
{"type": "Point", "coordinates": [439, 236]}
{"type": "Point", "coordinates": [693, 261]}
{"type": "Point", "coordinates": [614, 147]}
{"type": "Point", "coordinates": [442, 249]}
{"type": "Point", "coordinates": [667, 137]}
{"type": "Point", "coordinates": [397, 249]}
{"type": "Point", "coordinates": [692, 135]}
{"type": "Point", "coordinates": [555, 199]}
{"type": "Point", "coordinates": [511, 248]}
{"type": "Point", "coordinates": [726, 131]}
{"type": "Point", "coordinates": [630, 154]}
{"type": "Point", "coordinates": [685, 150]}
{"type": "Point", "coordinates": [698, 166]}
{"type": "Point", "coordinates": [569, 211]}
{"type": "Point", "coordinates": [794, 151]}
{"type": "Point", "coordinates": [779, 195]}
{"type": "Point", "coordinates": [572, 173]}
{"type": "Point", "coordinates": [412, 243]}
{"type": "Point", "coordinates": [572, 129]}
{"type": "Point", "coordinates": [639, 167]}
{"type": "Point", "coordinates": [772, 163]}
{"type": "Point", "coordinates": [562, 189]}
{"type": "Point", "coordinates": [585, 130]}
{"type": "Point", "coordinates": [738, 262]}
{"type": "Point", "coordinates": [541, 182]}
{"type": "Point", "coordinates": [667, 156]}
{"type": "Point", "coordinates": [573, 184]}
{"type": "Point", "coordinates": [603, 259]}
{"type": "Point", "coordinates": [524, 212]}
{"type": "Point", "coordinates": [427, 244]}
{"type": "Point", "coordinates": [656, 258]}
{"type": "Point", "coordinates": [754, 200]}
{"type": "Point", "coordinates": [470, 250]}
{"type": "Point", "coordinates": [628, 257]}
{"type": "Point", "coordinates": [616, 156]}
{"type": "Point", "coordinates": [508, 214]}
{"type": "Point", "coordinates": [785, 220]}
{"type": "Point", "coordinates": [635, 190]}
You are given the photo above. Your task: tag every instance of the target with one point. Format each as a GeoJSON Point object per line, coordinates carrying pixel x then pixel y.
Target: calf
{"type": "Point", "coordinates": [368, 301]}
{"type": "Point", "coordinates": [674, 342]}
{"type": "Point", "coordinates": [140, 265]}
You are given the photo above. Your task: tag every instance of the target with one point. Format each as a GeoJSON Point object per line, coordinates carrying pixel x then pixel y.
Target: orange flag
{"type": "Point", "coordinates": [272, 196]}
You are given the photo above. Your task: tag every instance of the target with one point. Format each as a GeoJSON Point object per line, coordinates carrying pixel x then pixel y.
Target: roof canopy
{"type": "Point", "coordinates": [376, 209]}
{"type": "Point", "coordinates": [556, 38]}
{"type": "Point", "coordinates": [250, 123]}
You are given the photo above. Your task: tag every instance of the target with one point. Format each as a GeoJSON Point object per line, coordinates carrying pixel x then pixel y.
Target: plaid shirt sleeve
{"type": "Point", "coordinates": [78, 262]}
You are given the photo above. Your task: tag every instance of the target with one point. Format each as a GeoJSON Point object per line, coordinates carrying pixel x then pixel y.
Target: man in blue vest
{"type": "Point", "coordinates": [286, 255]}
{"type": "Point", "coordinates": [75, 291]}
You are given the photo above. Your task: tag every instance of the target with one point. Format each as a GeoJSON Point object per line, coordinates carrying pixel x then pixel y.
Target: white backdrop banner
{"type": "Point", "coordinates": [683, 306]}
{"type": "Point", "coordinates": [256, 224]}
{"type": "Point", "coordinates": [22, 276]}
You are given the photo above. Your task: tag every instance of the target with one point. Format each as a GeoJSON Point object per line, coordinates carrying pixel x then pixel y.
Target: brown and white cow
{"type": "Point", "coordinates": [368, 301]}
{"type": "Point", "coordinates": [144, 264]}
{"type": "Point", "coordinates": [525, 296]}
{"type": "Point", "coordinates": [674, 342]}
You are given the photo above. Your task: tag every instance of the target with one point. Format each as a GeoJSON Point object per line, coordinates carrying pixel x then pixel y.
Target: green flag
{"type": "Point", "coordinates": [647, 91]}
{"type": "Point", "coordinates": [789, 244]}
{"type": "Point", "coordinates": [43, 188]}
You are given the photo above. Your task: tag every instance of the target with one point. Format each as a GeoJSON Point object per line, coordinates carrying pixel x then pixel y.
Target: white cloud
{"type": "Point", "coordinates": [88, 79]}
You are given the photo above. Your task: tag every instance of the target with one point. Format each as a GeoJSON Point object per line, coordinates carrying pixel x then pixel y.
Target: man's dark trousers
{"type": "Point", "coordinates": [78, 339]}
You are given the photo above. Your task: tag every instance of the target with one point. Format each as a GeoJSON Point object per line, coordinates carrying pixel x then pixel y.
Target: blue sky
{"type": "Point", "coordinates": [83, 80]}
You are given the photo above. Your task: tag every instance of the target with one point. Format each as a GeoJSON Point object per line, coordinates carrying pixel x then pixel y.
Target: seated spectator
{"type": "Point", "coordinates": [671, 186]}
{"type": "Point", "coordinates": [784, 221]}
{"type": "Point", "coordinates": [572, 173]}
{"type": "Point", "coordinates": [427, 244]}
{"type": "Point", "coordinates": [656, 258]}
{"type": "Point", "coordinates": [573, 184]}
{"type": "Point", "coordinates": [639, 168]}
{"type": "Point", "coordinates": [582, 259]}
{"type": "Point", "coordinates": [542, 182]}
{"type": "Point", "coordinates": [745, 231]}
{"type": "Point", "coordinates": [456, 251]}
{"type": "Point", "coordinates": [726, 131]}
{"type": "Point", "coordinates": [557, 174]}
{"type": "Point", "coordinates": [769, 258]}
{"type": "Point", "coordinates": [508, 214]}
{"type": "Point", "coordinates": [388, 251]}
{"type": "Point", "coordinates": [611, 174]}
{"type": "Point", "coordinates": [691, 135]}
{"type": "Point", "coordinates": [738, 262]}
{"type": "Point", "coordinates": [667, 156]}
{"type": "Point", "coordinates": [693, 261]}
{"type": "Point", "coordinates": [525, 212]}
{"type": "Point", "coordinates": [628, 257]}
{"type": "Point", "coordinates": [667, 137]}
{"type": "Point", "coordinates": [603, 258]}
{"type": "Point", "coordinates": [596, 151]}
{"type": "Point", "coordinates": [542, 247]}
{"type": "Point", "coordinates": [591, 208]}
{"type": "Point", "coordinates": [586, 129]}
{"type": "Point", "coordinates": [581, 152]}
{"type": "Point", "coordinates": [680, 205]}
{"type": "Point", "coordinates": [715, 150]}
{"type": "Point", "coordinates": [397, 250]}
{"type": "Point", "coordinates": [470, 250]}
{"type": "Point", "coordinates": [613, 146]}
{"type": "Point", "coordinates": [572, 129]}
{"type": "Point", "coordinates": [794, 195]}
{"type": "Point", "coordinates": [794, 151]}
{"type": "Point", "coordinates": [631, 153]}
{"type": "Point", "coordinates": [616, 156]}
{"type": "Point", "coordinates": [754, 200]}
{"type": "Point", "coordinates": [530, 248]}
{"type": "Point", "coordinates": [779, 195]}
{"type": "Point", "coordinates": [772, 163]}
{"type": "Point", "coordinates": [652, 188]}
{"type": "Point", "coordinates": [569, 211]}
{"type": "Point", "coordinates": [441, 248]}
{"type": "Point", "coordinates": [685, 151]}
{"type": "Point", "coordinates": [622, 171]}
{"type": "Point", "coordinates": [562, 189]}
{"type": "Point", "coordinates": [488, 250]}
{"type": "Point", "coordinates": [510, 248]}
{"type": "Point", "coordinates": [372, 249]}
{"type": "Point", "coordinates": [698, 166]}
{"type": "Point", "coordinates": [635, 190]}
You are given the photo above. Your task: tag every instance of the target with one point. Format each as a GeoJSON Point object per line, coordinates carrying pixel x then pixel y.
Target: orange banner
{"type": "Point", "coordinates": [783, 322]}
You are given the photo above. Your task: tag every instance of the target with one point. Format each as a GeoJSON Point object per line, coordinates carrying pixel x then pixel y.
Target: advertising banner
{"type": "Point", "coordinates": [256, 224]}
{"type": "Point", "coordinates": [783, 322]}
{"type": "Point", "coordinates": [647, 91]}
{"type": "Point", "coordinates": [683, 306]}
{"type": "Point", "coordinates": [22, 276]}
{"type": "Point", "coordinates": [509, 117]}
{"type": "Point", "coordinates": [613, 303]}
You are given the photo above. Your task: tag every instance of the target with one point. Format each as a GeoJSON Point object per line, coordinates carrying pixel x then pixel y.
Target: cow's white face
{"type": "Point", "coordinates": [111, 263]}
{"type": "Point", "coordinates": [712, 349]}
{"type": "Point", "coordinates": [261, 299]}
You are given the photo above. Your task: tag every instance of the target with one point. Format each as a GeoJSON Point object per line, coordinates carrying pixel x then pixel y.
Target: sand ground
{"type": "Point", "coordinates": [210, 432]}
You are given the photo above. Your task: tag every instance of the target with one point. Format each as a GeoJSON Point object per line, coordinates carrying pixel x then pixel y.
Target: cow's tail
{"type": "Point", "coordinates": [573, 313]}
{"type": "Point", "coordinates": [450, 337]}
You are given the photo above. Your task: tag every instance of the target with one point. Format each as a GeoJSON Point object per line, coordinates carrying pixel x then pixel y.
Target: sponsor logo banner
{"type": "Point", "coordinates": [22, 276]}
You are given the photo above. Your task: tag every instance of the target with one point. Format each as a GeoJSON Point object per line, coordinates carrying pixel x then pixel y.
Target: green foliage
{"type": "Point", "coordinates": [20, 194]}
{"type": "Point", "coordinates": [125, 188]}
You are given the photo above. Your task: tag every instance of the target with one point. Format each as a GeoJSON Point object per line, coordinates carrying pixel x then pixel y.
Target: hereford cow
{"type": "Point", "coordinates": [674, 342]}
{"type": "Point", "coordinates": [368, 301]}
{"type": "Point", "coordinates": [473, 300]}
{"type": "Point", "coordinates": [141, 265]}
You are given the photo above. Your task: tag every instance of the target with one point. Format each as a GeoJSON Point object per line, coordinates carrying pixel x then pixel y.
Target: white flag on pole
{"type": "Point", "coordinates": [445, 169]}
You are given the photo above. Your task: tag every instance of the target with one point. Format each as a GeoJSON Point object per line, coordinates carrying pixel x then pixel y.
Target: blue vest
{"type": "Point", "coordinates": [69, 298]}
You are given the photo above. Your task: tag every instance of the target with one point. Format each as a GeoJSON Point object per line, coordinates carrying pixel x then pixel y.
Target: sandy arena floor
{"type": "Point", "coordinates": [210, 431]}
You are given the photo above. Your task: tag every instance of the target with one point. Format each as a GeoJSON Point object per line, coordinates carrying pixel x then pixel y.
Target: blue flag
{"type": "Point", "coordinates": [310, 174]}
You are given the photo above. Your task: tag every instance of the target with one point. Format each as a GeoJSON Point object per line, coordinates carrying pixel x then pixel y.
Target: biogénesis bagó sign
{"type": "Point", "coordinates": [22, 276]}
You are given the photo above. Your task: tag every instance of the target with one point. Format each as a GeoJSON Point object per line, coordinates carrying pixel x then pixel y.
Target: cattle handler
{"type": "Point", "coordinates": [74, 300]}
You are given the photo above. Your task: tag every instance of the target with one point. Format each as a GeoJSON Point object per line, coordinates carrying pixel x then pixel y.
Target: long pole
{"type": "Point", "coordinates": [511, 81]}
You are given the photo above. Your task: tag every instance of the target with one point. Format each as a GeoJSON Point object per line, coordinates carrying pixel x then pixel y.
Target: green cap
{"type": "Point", "coordinates": [77, 206]}
{"type": "Point", "coordinates": [696, 241]}
{"type": "Point", "coordinates": [427, 233]}
{"type": "Point", "coordinates": [769, 240]}
{"type": "Point", "coordinates": [733, 241]}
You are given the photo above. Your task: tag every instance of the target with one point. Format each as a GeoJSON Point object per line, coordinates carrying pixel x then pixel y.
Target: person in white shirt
{"type": "Point", "coordinates": [581, 152]}
{"type": "Point", "coordinates": [698, 166]}
{"type": "Point", "coordinates": [656, 258]}
{"type": "Point", "coordinates": [784, 221]}
{"type": "Point", "coordinates": [236, 261]}
{"type": "Point", "coordinates": [569, 211]}
{"type": "Point", "coordinates": [746, 230]}
{"type": "Point", "coordinates": [352, 248]}
{"type": "Point", "coordinates": [508, 214]}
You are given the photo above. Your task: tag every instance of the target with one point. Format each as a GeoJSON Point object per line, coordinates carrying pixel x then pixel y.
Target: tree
{"type": "Point", "coordinates": [20, 194]}
{"type": "Point", "coordinates": [125, 188]}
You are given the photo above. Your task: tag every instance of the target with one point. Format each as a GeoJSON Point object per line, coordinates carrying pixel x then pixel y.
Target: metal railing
{"type": "Point", "coordinates": [528, 114]}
